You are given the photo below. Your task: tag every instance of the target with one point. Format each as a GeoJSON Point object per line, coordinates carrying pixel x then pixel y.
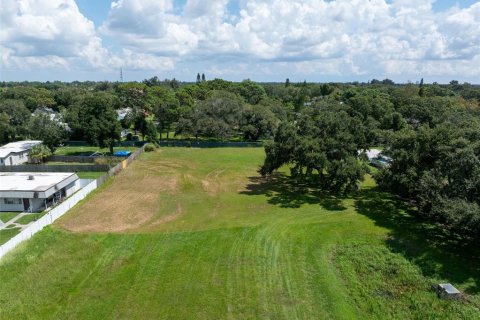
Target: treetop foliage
{"type": "Point", "coordinates": [430, 131]}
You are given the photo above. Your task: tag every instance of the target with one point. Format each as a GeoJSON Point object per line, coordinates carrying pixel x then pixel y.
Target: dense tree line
{"type": "Point", "coordinates": [436, 163]}
{"type": "Point", "coordinates": [431, 131]}
{"type": "Point", "coordinates": [153, 107]}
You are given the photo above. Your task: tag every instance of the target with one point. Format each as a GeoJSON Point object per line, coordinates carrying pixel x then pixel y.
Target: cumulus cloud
{"type": "Point", "coordinates": [54, 34]}
{"type": "Point", "coordinates": [355, 37]}
{"type": "Point", "coordinates": [375, 38]}
{"type": "Point", "coordinates": [43, 33]}
{"type": "Point", "coordinates": [150, 26]}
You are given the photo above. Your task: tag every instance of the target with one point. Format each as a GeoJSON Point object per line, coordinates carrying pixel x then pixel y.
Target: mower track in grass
{"type": "Point", "coordinates": [156, 243]}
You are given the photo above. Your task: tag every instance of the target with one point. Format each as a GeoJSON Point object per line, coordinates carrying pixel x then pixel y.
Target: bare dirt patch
{"type": "Point", "coordinates": [130, 203]}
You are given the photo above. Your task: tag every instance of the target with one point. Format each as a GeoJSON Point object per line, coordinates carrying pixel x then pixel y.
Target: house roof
{"type": "Point", "coordinates": [17, 147]}
{"type": "Point", "coordinates": [42, 181]}
{"type": "Point", "coordinates": [373, 153]}
{"type": "Point", "coordinates": [448, 288]}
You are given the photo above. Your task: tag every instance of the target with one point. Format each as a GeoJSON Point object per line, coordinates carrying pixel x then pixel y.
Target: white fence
{"type": "Point", "coordinates": [62, 208]}
{"type": "Point", "coordinates": [47, 219]}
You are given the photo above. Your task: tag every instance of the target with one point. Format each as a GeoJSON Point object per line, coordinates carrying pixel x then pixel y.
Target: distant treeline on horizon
{"type": "Point", "coordinates": [181, 82]}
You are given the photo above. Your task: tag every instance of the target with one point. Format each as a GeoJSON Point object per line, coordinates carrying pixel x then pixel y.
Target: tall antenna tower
{"type": "Point", "coordinates": [121, 75]}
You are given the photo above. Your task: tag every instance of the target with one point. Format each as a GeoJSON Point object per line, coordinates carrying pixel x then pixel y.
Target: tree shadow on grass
{"type": "Point", "coordinates": [285, 192]}
{"type": "Point", "coordinates": [437, 253]}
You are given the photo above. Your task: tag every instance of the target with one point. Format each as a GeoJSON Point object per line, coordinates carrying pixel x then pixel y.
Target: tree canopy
{"type": "Point", "coordinates": [431, 132]}
{"type": "Point", "coordinates": [323, 145]}
{"type": "Point", "coordinates": [94, 119]}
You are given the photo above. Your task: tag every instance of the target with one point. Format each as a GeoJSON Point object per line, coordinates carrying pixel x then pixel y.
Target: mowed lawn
{"type": "Point", "coordinates": [196, 234]}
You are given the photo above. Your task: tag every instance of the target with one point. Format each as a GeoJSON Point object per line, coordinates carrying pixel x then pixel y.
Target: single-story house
{"type": "Point", "coordinates": [376, 158]}
{"type": "Point", "coordinates": [35, 191]}
{"type": "Point", "coordinates": [16, 152]}
{"type": "Point", "coordinates": [53, 115]}
{"type": "Point", "coordinates": [123, 112]}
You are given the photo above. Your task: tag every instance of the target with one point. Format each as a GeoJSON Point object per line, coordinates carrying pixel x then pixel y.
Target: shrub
{"type": "Point", "coordinates": [151, 147]}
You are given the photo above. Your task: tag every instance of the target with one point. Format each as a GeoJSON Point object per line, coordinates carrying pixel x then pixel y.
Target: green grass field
{"type": "Point", "coordinates": [90, 174]}
{"type": "Point", "coordinates": [26, 219]}
{"type": "Point", "coordinates": [195, 234]}
{"type": "Point", "coordinates": [7, 216]}
{"type": "Point", "coordinates": [5, 235]}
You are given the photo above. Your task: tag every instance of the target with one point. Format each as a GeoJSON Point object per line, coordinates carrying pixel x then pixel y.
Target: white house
{"type": "Point", "coordinates": [123, 112]}
{"type": "Point", "coordinates": [53, 115]}
{"type": "Point", "coordinates": [378, 159]}
{"type": "Point", "coordinates": [373, 153]}
{"type": "Point", "coordinates": [16, 152]}
{"type": "Point", "coordinates": [35, 191]}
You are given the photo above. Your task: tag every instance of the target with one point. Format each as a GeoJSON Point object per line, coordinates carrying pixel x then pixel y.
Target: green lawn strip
{"type": "Point", "coordinates": [90, 174]}
{"type": "Point", "coordinates": [7, 216]}
{"type": "Point", "coordinates": [56, 163]}
{"type": "Point", "coordinates": [26, 219]}
{"type": "Point", "coordinates": [7, 234]}
{"type": "Point", "coordinates": [272, 249]}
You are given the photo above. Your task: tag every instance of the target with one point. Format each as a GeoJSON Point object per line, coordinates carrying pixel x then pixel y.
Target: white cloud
{"type": "Point", "coordinates": [141, 61]}
{"type": "Point", "coordinates": [35, 32]}
{"type": "Point", "coordinates": [54, 34]}
{"type": "Point", "coordinates": [355, 37]}
{"type": "Point", "coordinates": [149, 26]}
{"type": "Point", "coordinates": [403, 38]}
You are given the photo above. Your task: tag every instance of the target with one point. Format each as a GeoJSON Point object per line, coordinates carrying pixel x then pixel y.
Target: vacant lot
{"type": "Point", "coordinates": [196, 234]}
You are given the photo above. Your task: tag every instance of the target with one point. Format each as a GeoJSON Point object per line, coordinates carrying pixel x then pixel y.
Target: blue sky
{"type": "Point", "coordinates": [442, 5]}
{"type": "Point", "coordinates": [264, 40]}
{"type": "Point", "coordinates": [97, 10]}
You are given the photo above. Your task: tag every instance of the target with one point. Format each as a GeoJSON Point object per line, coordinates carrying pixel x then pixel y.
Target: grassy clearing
{"type": "Point", "coordinates": [90, 174]}
{"type": "Point", "coordinates": [204, 238]}
{"type": "Point", "coordinates": [5, 235]}
{"type": "Point", "coordinates": [7, 216]}
{"type": "Point", "coordinates": [26, 219]}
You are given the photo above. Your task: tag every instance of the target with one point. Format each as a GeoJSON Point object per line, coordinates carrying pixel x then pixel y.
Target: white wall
{"type": "Point", "coordinates": [47, 219]}
{"type": "Point", "coordinates": [37, 204]}
{"type": "Point", "coordinates": [10, 207]}
{"type": "Point", "coordinates": [72, 188]}
{"type": "Point", "coordinates": [84, 182]}
{"type": "Point", "coordinates": [15, 159]}
{"type": "Point", "coordinates": [53, 215]}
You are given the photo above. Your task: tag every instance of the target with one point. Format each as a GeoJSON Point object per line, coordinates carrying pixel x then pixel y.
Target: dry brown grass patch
{"type": "Point", "coordinates": [128, 204]}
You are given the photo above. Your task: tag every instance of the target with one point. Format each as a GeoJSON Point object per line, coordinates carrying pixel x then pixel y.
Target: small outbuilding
{"type": "Point", "coordinates": [16, 152]}
{"type": "Point", "coordinates": [377, 159]}
{"type": "Point", "coordinates": [447, 291]}
{"type": "Point", "coordinates": [34, 191]}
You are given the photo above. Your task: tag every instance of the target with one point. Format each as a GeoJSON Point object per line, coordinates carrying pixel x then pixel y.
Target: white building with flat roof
{"type": "Point", "coordinates": [16, 152]}
{"type": "Point", "coordinates": [35, 191]}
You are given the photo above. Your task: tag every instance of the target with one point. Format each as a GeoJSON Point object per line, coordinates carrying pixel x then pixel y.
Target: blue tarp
{"type": "Point", "coordinates": [122, 153]}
